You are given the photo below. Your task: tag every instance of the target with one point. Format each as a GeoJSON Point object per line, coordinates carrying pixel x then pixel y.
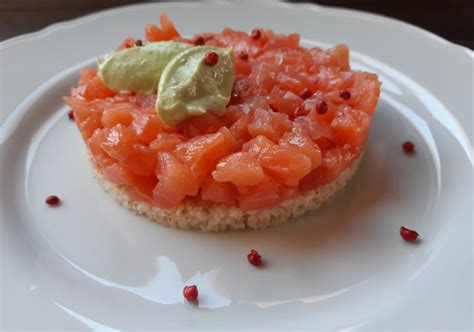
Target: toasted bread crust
{"type": "Point", "coordinates": [214, 217]}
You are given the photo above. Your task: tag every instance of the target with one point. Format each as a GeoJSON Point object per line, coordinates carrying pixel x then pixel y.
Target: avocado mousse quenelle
{"type": "Point", "coordinates": [138, 69]}
{"type": "Point", "coordinates": [188, 80]}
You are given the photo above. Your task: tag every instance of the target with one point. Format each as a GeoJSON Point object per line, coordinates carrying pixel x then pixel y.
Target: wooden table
{"type": "Point", "coordinates": [451, 19]}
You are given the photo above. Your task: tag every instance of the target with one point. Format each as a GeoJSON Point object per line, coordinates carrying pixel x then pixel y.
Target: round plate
{"type": "Point", "coordinates": [90, 264]}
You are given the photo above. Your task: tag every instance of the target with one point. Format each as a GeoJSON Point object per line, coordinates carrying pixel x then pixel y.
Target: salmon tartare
{"type": "Point", "coordinates": [279, 134]}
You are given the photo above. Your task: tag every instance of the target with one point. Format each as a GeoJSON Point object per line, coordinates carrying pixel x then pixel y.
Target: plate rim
{"type": "Point", "coordinates": [51, 28]}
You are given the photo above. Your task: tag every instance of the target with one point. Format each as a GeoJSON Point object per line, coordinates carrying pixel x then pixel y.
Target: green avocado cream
{"type": "Point", "coordinates": [190, 87]}
{"type": "Point", "coordinates": [138, 69]}
{"type": "Point", "coordinates": [185, 84]}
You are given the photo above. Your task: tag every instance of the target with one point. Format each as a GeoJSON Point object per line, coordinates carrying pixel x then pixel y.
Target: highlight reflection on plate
{"type": "Point", "coordinates": [166, 286]}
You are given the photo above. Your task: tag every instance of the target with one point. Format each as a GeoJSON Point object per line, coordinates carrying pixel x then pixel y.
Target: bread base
{"type": "Point", "coordinates": [214, 217]}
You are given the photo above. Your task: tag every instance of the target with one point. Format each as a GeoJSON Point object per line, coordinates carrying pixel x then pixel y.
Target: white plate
{"type": "Point", "coordinates": [90, 264]}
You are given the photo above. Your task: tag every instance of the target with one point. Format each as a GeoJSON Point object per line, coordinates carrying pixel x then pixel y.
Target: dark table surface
{"type": "Point", "coordinates": [451, 19]}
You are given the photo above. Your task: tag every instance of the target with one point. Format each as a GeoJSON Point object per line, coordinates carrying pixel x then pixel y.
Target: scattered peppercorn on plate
{"type": "Point", "coordinates": [217, 117]}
